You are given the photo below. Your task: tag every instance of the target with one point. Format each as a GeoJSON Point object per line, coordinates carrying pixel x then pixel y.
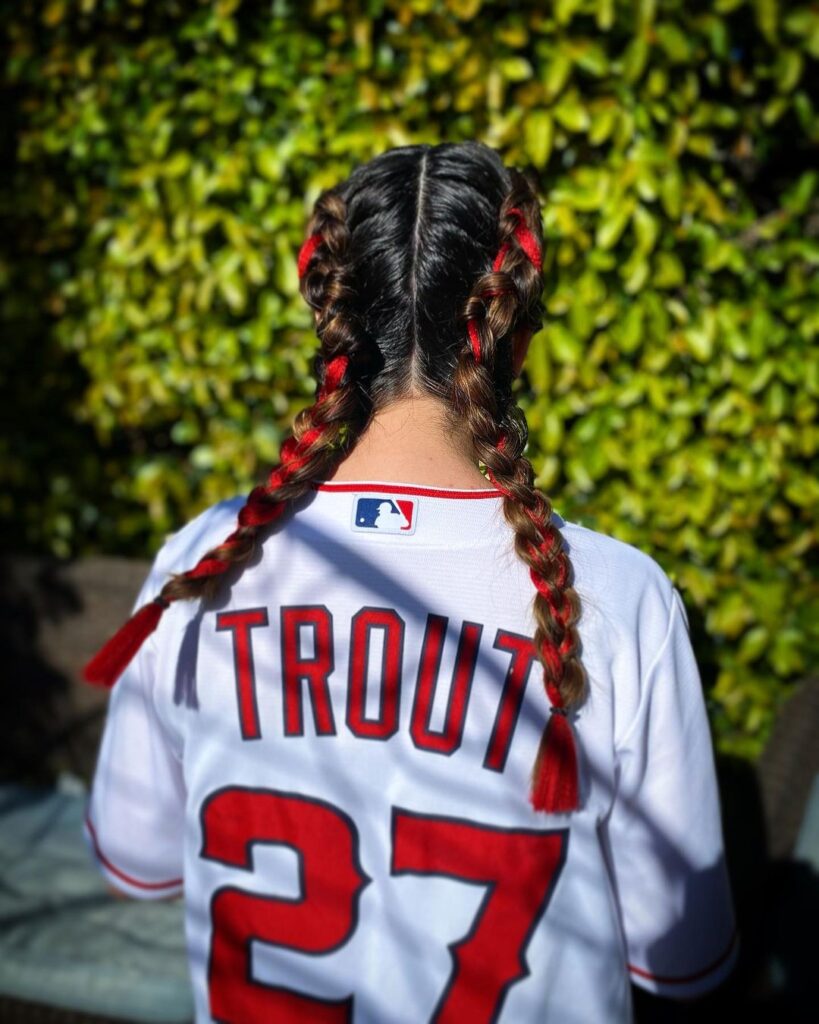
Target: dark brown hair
{"type": "Point", "coordinates": [420, 267]}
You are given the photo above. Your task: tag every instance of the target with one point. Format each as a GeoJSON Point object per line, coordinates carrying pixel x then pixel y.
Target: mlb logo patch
{"type": "Point", "coordinates": [384, 514]}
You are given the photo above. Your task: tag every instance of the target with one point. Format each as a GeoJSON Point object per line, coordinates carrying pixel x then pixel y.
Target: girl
{"type": "Point", "coordinates": [415, 747]}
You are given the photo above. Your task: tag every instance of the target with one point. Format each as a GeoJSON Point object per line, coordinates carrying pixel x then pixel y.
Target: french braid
{"type": "Point", "coordinates": [501, 299]}
{"type": "Point", "coordinates": [321, 436]}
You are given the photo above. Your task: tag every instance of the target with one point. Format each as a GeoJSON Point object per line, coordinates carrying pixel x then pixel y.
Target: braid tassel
{"type": "Point", "coordinates": [554, 779]}
{"type": "Point", "coordinates": [113, 657]}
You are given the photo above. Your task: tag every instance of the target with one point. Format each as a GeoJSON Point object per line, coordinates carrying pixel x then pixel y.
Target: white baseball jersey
{"type": "Point", "coordinates": [333, 759]}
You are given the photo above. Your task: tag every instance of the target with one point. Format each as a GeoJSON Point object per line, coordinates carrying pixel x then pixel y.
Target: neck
{"type": "Point", "coordinates": [408, 442]}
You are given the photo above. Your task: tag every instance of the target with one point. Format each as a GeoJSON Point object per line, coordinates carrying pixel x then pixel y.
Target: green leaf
{"type": "Point", "coordinates": [603, 121]}
{"type": "Point", "coordinates": [646, 228]}
{"type": "Point", "coordinates": [700, 342]}
{"type": "Point", "coordinates": [788, 69]}
{"type": "Point", "coordinates": [538, 362]}
{"type": "Point", "coordinates": [563, 345]}
{"type": "Point", "coordinates": [671, 192]}
{"type": "Point", "coordinates": [565, 10]}
{"type": "Point", "coordinates": [634, 59]}
{"type": "Point", "coordinates": [674, 41]}
{"type": "Point", "coordinates": [668, 271]}
{"type": "Point", "coordinates": [797, 196]}
{"type": "Point", "coordinates": [516, 69]}
{"type": "Point", "coordinates": [629, 335]}
{"type": "Point", "coordinates": [590, 56]}
{"type": "Point", "coordinates": [635, 273]}
{"type": "Point", "coordinates": [570, 113]}
{"type": "Point", "coordinates": [613, 222]}
{"type": "Point", "coordinates": [538, 129]}
{"type": "Point", "coordinates": [233, 289]}
{"type": "Point", "coordinates": [552, 432]}
{"type": "Point", "coordinates": [766, 13]}
{"type": "Point", "coordinates": [774, 109]}
{"type": "Point", "coordinates": [556, 73]}
{"type": "Point", "coordinates": [604, 14]}
{"type": "Point", "coordinates": [269, 163]}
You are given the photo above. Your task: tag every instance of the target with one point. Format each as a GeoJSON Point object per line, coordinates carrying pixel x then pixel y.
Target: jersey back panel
{"type": "Point", "coordinates": [332, 760]}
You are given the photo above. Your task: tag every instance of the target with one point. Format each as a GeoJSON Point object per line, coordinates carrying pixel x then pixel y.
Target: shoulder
{"type": "Point", "coordinates": [632, 621]}
{"type": "Point", "coordinates": [621, 577]}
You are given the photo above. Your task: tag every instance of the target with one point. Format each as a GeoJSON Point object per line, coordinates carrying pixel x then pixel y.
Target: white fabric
{"type": "Point", "coordinates": [640, 892]}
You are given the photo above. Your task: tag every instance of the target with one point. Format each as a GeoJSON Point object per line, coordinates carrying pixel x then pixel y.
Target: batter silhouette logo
{"type": "Point", "coordinates": [383, 514]}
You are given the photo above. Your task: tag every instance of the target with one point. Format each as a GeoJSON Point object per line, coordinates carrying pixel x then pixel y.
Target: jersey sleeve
{"type": "Point", "coordinates": [664, 829]}
{"type": "Point", "coordinates": [134, 816]}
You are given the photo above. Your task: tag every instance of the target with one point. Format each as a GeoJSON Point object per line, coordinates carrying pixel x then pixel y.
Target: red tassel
{"type": "Point", "coordinates": [111, 659]}
{"type": "Point", "coordinates": [554, 782]}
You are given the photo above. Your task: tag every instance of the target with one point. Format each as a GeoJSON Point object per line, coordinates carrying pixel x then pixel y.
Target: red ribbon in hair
{"type": "Point", "coordinates": [306, 252]}
{"type": "Point", "coordinates": [527, 240]}
{"type": "Point", "coordinates": [530, 246]}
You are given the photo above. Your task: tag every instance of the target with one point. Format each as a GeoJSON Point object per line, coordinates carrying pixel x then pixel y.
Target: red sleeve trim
{"type": "Point", "coordinates": [121, 874]}
{"type": "Point", "coordinates": [672, 979]}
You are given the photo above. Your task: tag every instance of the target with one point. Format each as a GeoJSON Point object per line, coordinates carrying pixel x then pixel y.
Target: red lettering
{"type": "Point", "coordinates": [523, 654]}
{"type": "Point", "coordinates": [449, 739]}
{"type": "Point", "coordinates": [519, 868]}
{"type": "Point", "coordinates": [315, 670]}
{"type": "Point", "coordinates": [240, 624]}
{"type": "Point", "coordinates": [385, 724]}
{"type": "Point", "coordinates": [233, 820]}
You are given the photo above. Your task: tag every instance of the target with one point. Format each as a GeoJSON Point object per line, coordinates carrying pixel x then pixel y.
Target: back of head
{"type": "Point", "coordinates": [409, 241]}
{"type": "Point", "coordinates": [420, 267]}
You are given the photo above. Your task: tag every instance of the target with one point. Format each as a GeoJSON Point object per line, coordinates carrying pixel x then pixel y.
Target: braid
{"type": "Point", "coordinates": [321, 436]}
{"type": "Point", "coordinates": [500, 300]}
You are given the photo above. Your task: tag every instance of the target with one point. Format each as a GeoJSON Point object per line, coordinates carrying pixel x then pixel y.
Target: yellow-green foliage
{"type": "Point", "coordinates": [167, 158]}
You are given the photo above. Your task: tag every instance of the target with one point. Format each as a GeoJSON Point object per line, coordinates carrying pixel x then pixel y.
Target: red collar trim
{"type": "Point", "coordinates": [396, 488]}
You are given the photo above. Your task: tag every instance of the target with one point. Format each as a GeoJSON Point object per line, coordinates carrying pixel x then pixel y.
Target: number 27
{"type": "Point", "coordinates": [518, 868]}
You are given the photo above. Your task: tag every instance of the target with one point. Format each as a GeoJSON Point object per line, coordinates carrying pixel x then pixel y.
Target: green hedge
{"type": "Point", "coordinates": [165, 159]}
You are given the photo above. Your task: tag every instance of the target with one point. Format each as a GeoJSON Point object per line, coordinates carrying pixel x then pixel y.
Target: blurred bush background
{"type": "Point", "coordinates": [161, 161]}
